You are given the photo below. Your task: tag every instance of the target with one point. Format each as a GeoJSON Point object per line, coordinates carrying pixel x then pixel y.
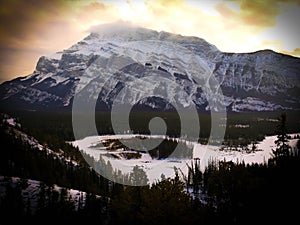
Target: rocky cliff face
{"type": "Point", "coordinates": [118, 64]}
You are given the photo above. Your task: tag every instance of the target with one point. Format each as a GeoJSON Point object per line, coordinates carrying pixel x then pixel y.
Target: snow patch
{"type": "Point", "coordinates": [11, 122]}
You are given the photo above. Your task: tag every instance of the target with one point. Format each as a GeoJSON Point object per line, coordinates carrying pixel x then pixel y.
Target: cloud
{"type": "Point", "coordinates": [295, 52]}
{"type": "Point", "coordinates": [118, 26]}
{"type": "Point", "coordinates": [255, 14]}
{"type": "Point", "coordinates": [272, 24]}
{"type": "Point", "coordinates": [19, 18]}
{"type": "Point", "coordinates": [95, 13]}
{"type": "Point", "coordinates": [286, 33]}
{"type": "Point", "coordinates": [23, 24]}
{"type": "Point", "coordinates": [227, 31]}
{"type": "Point", "coordinates": [31, 28]}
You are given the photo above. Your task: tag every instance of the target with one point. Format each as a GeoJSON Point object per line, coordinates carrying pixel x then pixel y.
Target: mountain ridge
{"type": "Point", "coordinates": [259, 81]}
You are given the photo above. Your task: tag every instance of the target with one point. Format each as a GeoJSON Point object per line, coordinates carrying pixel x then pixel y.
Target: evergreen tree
{"type": "Point", "coordinates": [11, 204]}
{"type": "Point", "coordinates": [194, 177]}
{"type": "Point", "coordinates": [298, 146]}
{"type": "Point", "coordinates": [138, 177]}
{"type": "Point", "coordinates": [42, 196]}
{"type": "Point", "coordinates": [283, 148]}
{"type": "Point", "coordinates": [254, 147]}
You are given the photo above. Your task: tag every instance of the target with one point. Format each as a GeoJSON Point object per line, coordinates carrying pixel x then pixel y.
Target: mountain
{"type": "Point", "coordinates": [127, 64]}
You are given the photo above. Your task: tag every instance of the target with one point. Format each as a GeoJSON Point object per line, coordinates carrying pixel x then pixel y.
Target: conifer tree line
{"type": "Point", "coordinates": [225, 192]}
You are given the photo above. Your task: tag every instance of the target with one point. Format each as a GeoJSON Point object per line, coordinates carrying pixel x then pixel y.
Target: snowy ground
{"type": "Point", "coordinates": [155, 168]}
{"type": "Point", "coordinates": [16, 131]}
{"type": "Point", "coordinates": [30, 193]}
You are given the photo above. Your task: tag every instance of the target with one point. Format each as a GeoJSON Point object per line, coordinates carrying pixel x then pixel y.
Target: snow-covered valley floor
{"type": "Point", "coordinates": [154, 168]}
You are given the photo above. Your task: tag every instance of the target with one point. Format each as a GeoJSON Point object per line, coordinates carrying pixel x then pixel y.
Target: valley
{"type": "Point", "coordinates": [136, 126]}
{"type": "Point", "coordinates": [125, 160]}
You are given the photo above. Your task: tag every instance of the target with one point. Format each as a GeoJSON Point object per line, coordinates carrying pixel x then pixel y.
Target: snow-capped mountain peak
{"type": "Point", "coordinates": [121, 53]}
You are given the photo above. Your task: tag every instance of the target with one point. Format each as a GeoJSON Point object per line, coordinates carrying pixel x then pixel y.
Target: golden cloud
{"type": "Point", "coordinates": [257, 15]}
{"type": "Point", "coordinates": [35, 28]}
{"type": "Point", "coordinates": [295, 52]}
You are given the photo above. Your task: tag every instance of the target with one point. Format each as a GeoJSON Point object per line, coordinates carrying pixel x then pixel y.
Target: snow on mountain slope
{"type": "Point", "coordinates": [32, 194]}
{"type": "Point", "coordinates": [259, 81]}
{"type": "Point", "coordinates": [31, 190]}
{"type": "Point", "coordinates": [15, 130]}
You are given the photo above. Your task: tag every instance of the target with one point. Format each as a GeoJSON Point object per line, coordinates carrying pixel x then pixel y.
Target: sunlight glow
{"type": "Point", "coordinates": [230, 25]}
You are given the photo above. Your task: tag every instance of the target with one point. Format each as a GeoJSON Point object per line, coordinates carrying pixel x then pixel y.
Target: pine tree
{"type": "Point", "coordinates": [138, 177]}
{"type": "Point", "coordinates": [283, 148]}
{"type": "Point", "coordinates": [194, 177]}
{"type": "Point", "coordinates": [253, 147]}
{"type": "Point", "coordinates": [42, 196]}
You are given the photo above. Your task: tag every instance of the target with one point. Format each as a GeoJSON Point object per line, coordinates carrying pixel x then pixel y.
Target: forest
{"type": "Point", "coordinates": [226, 192]}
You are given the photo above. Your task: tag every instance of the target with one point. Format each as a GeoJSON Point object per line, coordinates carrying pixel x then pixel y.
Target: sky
{"type": "Point", "coordinates": [33, 28]}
